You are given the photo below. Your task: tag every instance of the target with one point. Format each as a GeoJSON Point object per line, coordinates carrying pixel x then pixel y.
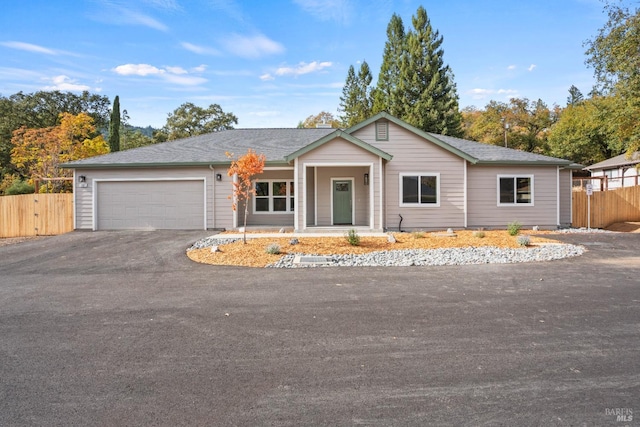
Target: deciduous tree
{"type": "Point", "coordinates": [244, 170]}
{"type": "Point", "coordinates": [39, 152]}
{"type": "Point", "coordinates": [322, 118]}
{"type": "Point", "coordinates": [191, 120]}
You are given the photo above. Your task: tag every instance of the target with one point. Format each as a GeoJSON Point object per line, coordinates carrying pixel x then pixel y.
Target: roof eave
{"type": "Point", "coordinates": [524, 162]}
{"type": "Point", "coordinates": [334, 135]}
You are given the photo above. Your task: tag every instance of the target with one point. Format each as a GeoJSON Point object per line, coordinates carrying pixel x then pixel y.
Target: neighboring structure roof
{"type": "Point", "coordinates": [616, 162]}
{"type": "Point", "coordinates": [209, 149]}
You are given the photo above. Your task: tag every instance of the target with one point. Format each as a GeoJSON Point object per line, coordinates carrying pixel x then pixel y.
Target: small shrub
{"type": "Point", "coordinates": [418, 234]}
{"type": "Point", "coordinates": [19, 187]}
{"type": "Point", "coordinates": [514, 228]}
{"type": "Point", "coordinates": [352, 237]}
{"type": "Point", "coordinates": [479, 234]}
{"type": "Point", "coordinates": [273, 249]}
{"type": "Point", "coordinates": [523, 240]}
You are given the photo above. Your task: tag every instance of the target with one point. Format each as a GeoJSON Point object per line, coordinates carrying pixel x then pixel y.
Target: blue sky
{"type": "Point", "coordinates": [273, 63]}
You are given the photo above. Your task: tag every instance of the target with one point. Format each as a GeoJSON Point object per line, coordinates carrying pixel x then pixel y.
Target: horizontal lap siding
{"type": "Point", "coordinates": [412, 153]}
{"type": "Point", "coordinates": [280, 220]}
{"type": "Point", "coordinates": [84, 196]}
{"type": "Point", "coordinates": [336, 152]}
{"type": "Point", "coordinates": [483, 197]}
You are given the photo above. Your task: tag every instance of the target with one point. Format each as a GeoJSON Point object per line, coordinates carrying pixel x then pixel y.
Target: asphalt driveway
{"type": "Point", "coordinates": [120, 328]}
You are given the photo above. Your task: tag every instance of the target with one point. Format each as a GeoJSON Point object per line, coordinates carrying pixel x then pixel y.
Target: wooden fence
{"type": "Point", "coordinates": [607, 207]}
{"type": "Point", "coordinates": [36, 215]}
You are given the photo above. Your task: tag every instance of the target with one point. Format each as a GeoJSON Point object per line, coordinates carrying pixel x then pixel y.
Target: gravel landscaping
{"type": "Point", "coordinates": [476, 252]}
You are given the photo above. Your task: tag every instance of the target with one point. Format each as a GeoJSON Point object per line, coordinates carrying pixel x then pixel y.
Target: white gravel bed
{"type": "Point", "coordinates": [425, 257]}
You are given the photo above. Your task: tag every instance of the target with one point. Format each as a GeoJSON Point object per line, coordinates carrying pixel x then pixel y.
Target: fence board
{"type": "Point", "coordinates": [36, 215]}
{"type": "Point", "coordinates": [607, 207]}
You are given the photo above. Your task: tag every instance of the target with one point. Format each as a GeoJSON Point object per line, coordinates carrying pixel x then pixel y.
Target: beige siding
{"type": "Point", "coordinates": [483, 197]}
{"type": "Point", "coordinates": [222, 201]}
{"type": "Point", "coordinates": [269, 219]}
{"type": "Point", "coordinates": [566, 176]}
{"type": "Point", "coordinates": [342, 159]}
{"type": "Point", "coordinates": [84, 195]}
{"type": "Point", "coordinates": [412, 154]}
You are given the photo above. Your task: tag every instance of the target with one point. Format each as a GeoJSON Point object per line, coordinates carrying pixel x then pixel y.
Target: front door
{"type": "Point", "coordinates": [342, 202]}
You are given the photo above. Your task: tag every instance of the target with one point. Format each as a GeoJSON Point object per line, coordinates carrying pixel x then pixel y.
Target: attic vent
{"type": "Point", "coordinates": [382, 131]}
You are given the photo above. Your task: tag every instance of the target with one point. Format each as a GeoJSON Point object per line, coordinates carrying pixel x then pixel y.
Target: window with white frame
{"type": "Point", "coordinates": [274, 196]}
{"type": "Point", "coordinates": [514, 190]}
{"type": "Point", "coordinates": [420, 189]}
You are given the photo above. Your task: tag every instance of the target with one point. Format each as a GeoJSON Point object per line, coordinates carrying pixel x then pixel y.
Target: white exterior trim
{"type": "Point", "coordinates": [235, 202]}
{"type": "Point", "coordinates": [75, 204]}
{"type": "Point", "coordinates": [465, 195]}
{"type": "Point", "coordinates": [353, 197]}
{"type": "Point", "coordinates": [96, 181]}
{"type": "Point", "coordinates": [381, 182]}
{"type": "Point", "coordinates": [315, 196]}
{"type": "Point", "coordinates": [558, 196]}
{"type": "Point", "coordinates": [296, 220]}
{"type": "Point", "coordinates": [502, 205]}
{"type": "Point", "coordinates": [419, 205]}
{"type": "Point", "coordinates": [372, 209]}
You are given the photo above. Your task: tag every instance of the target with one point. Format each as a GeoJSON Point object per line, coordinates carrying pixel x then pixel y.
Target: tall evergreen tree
{"type": "Point", "coordinates": [426, 83]}
{"type": "Point", "coordinates": [386, 96]}
{"type": "Point", "coordinates": [114, 126]}
{"type": "Point", "coordinates": [356, 100]}
{"type": "Point", "coordinates": [575, 96]}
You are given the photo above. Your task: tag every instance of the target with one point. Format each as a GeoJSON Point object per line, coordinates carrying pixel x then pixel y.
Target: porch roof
{"type": "Point", "coordinates": [343, 135]}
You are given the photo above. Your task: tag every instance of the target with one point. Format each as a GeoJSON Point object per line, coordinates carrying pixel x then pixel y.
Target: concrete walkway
{"type": "Point", "coordinates": [319, 233]}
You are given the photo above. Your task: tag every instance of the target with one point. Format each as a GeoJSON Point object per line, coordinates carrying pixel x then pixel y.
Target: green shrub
{"type": "Point", "coordinates": [273, 249]}
{"type": "Point", "coordinates": [418, 234]}
{"type": "Point", "coordinates": [352, 237]}
{"type": "Point", "coordinates": [514, 228]}
{"type": "Point", "coordinates": [19, 187]}
{"type": "Point", "coordinates": [523, 240]}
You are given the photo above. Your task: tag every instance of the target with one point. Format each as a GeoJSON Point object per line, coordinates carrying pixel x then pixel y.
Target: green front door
{"type": "Point", "coordinates": [342, 207]}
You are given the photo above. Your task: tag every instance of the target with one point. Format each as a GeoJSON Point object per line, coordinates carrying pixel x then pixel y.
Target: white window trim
{"type": "Point", "coordinates": [514, 204]}
{"type": "Point", "coordinates": [288, 181]}
{"type": "Point", "coordinates": [419, 205]}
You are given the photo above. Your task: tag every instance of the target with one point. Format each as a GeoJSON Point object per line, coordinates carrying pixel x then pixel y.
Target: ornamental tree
{"type": "Point", "coordinates": [244, 170]}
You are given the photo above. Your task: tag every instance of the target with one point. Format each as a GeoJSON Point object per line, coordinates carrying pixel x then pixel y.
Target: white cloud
{"type": "Point", "coordinates": [511, 67]}
{"type": "Point", "coordinates": [117, 12]}
{"type": "Point", "coordinates": [200, 50]}
{"type": "Point", "coordinates": [199, 69]}
{"type": "Point", "coordinates": [328, 10]}
{"type": "Point", "coordinates": [176, 70]}
{"type": "Point", "coordinates": [303, 68]}
{"type": "Point", "coordinates": [64, 83]}
{"type": "Point", "coordinates": [480, 93]}
{"type": "Point", "coordinates": [137, 70]}
{"type": "Point", "coordinates": [266, 77]}
{"type": "Point", "coordinates": [137, 18]}
{"type": "Point", "coordinates": [175, 75]}
{"type": "Point", "coordinates": [252, 47]}
{"type": "Point", "coordinates": [531, 67]}
{"type": "Point", "coordinates": [29, 47]}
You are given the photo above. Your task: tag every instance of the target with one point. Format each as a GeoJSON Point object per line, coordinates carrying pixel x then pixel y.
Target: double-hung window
{"type": "Point", "coordinates": [420, 189]}
{"type": "Point", "coordinates": [515, 190]}
{"type": "Point", "coordinates": [274, 196]}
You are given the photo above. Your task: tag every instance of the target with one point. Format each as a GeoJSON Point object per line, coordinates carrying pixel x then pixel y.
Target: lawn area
{"type": "Point", "coordinates": [254, 252]}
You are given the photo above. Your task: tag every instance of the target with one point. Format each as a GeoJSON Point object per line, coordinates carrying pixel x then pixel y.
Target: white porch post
{"type": "Point", "coordinates": [235, 201]}
{"type": "Point", "coordinates": [372, 212]}
{"type": "Point", "coordinates": [296, 211]}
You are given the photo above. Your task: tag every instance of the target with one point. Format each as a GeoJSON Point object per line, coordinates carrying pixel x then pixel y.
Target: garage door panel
{"type": "Point", "coordinates": [167, 204]}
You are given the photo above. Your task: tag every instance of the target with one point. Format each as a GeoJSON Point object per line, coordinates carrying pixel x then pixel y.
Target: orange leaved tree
{"type": "Point", "coordinates": [244, 169]}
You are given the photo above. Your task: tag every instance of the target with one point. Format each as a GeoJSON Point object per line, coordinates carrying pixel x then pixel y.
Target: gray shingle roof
{"type": "Point", "coordinates": [275, 144]}
{"type": "Point", "coordinates": [487, 153]}
{"type": "Point", "coordinates": [616, 161]}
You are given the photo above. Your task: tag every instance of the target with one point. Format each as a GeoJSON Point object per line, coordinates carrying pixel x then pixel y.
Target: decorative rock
{"type": "Point", "coordinates": [449, 230]}
{"type": "Point", "coordinates": [391, 238]}
{"type": "Point", "coordinates": [215, 249]}
{"type": "Point", "coordinates": [294, 241]}
{"type": "Point", "coordinates": [536, 228]}
{"type": "Point", "coordinates": [282, 230]}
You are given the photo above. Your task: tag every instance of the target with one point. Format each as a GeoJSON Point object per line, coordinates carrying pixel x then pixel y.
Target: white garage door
{"type": "Point", "coordinates": [172, 204]}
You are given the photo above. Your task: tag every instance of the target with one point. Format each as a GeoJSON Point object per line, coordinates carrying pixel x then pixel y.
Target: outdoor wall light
{"type": "Point", "coordinates": [82, 178]}
{"type": "Point", "coordinates": [218, 177]}
{"type": "Point", "coordinates": [366, 179]}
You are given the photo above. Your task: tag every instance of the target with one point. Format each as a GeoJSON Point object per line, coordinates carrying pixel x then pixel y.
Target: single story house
{"type": "Point", "coordinates": [382, 174]}
{"type": "Point", "coordinates": [616, 172]}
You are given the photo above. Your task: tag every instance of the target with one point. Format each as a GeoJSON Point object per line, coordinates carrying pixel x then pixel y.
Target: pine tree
{"type": "Point", "coordinates": [426, 84]}
{"type": "Point", "coordinates": [356, 101]}
{"type": "Point", "coordinates": [386, 97]}
{"type": "Point", "coordinates": [114, 126]}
